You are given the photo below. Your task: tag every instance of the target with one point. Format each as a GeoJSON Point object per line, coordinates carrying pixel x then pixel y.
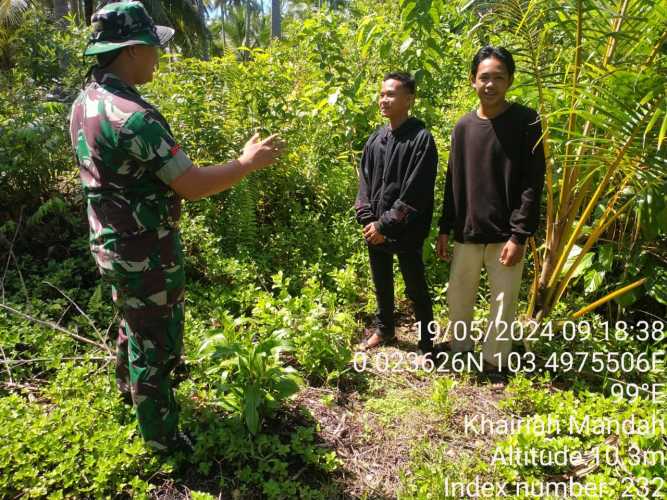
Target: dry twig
{"type": "Point", "coordinates": [54, 326]}
{"type": "Point", "coordinates": [11, 256]}
{"type": "Point", "coordinates": [102, 338]}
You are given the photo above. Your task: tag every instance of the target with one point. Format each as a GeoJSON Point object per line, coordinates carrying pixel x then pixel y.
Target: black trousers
{"type": "Point", "coordinates": [416, 288]}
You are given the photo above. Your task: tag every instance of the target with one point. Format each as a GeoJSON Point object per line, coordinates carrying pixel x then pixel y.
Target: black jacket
{"type": "Point", "coordinates": [396, 182]}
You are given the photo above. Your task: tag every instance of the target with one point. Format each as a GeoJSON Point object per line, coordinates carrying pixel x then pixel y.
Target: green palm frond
{"type": "Point", "coordinates": [11, 10]}
{"type": "Point", "coordinates": [233, 26]}
{"type": "Point", "coordinates": [186, 17]}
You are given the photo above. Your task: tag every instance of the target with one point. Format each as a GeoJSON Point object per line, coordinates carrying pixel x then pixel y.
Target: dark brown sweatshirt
{"type": "Point", "coordinates": [495, 176]}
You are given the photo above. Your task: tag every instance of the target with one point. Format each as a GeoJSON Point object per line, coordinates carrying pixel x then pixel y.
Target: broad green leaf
{"type": "Point", "coordinates": [606, 256]}
{"type": "Point", "coordinates": [405, 45]}
{"type": "Point", "coordinates": [592, 280]}
{"type": "Point", "coordinates": [657, 285]}
{"type": "Point", "coordinates": [250, 408]}
{"type": "Point", "coordinates": [585, 263]}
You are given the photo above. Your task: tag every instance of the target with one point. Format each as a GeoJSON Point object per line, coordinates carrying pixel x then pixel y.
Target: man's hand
{"type": "Point", "coordinates": [261, 153]}
{"type": "Point", "coordinates": [372, 235]}
{"type": "Point", "coordinates": [197, 183]}
{"type": "Point", "coordinates": [441, 247]}
{"type": "Point", "coordinates": [512, 254]}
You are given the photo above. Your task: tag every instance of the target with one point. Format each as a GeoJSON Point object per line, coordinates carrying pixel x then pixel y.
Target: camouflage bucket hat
{"type": "Point", "coordinates": [120, 24]}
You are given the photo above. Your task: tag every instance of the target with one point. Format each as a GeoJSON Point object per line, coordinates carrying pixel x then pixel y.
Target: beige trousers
{"type": "Point", "coordinates": [504, 283]}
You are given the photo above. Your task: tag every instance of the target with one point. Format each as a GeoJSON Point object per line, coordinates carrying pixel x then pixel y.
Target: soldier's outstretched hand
{"type": "Point", "coordinates": [258, 153]}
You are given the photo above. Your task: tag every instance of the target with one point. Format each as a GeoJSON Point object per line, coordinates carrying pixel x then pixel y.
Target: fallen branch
{"type": "Point", "coordinates": [19, 362]}
{"type": "Point", "coordinates": [54, 326]}
{"type": "Point", "coordinates": [14, 385]}
{"type": "Point", "coordinates": [341, 427]}
{"type": "Point", "coordinates": [113, 322]}
{"type": "Point", "coordinates": [103, 340]}
{"type": "Point", "coordinates": [63, 314]}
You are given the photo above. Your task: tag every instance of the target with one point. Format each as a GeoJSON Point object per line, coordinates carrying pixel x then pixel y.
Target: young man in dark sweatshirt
{"type": "Point", "coordinates": [493, 186]}
{"type": "Point", "coordinates": [394, 205]}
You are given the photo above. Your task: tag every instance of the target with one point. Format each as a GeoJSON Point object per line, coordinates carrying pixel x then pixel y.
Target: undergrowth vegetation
{"type": "Point", "coordinates": [278, 285]}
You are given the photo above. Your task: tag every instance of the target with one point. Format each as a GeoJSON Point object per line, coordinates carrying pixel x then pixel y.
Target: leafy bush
{"type": "Point", "coordinates": [34, 108]}
{"type": "Point", "coordinates": [319, 330]}
{"type": "Point", "coordinates": [527, 398]}
{"type": "Point", "coordinates": [251, 377]}
{"type": "Point", "coordinates": [85, 444]}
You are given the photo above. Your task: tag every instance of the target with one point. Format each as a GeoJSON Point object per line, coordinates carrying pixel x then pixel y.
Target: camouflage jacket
{"type": "Point", "coordinates": [127, 157]}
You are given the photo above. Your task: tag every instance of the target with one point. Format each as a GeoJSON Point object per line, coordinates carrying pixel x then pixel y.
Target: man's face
{"type": "Point", "coordinates": [491, 81]}
{"type": "Point", "coordinates": [145, 58]}
{"type": "Point", "coordinates": [394, 100]}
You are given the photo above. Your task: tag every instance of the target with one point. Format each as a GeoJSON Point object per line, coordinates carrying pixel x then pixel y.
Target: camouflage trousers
{"type": "Point", "coordinates": [150, 340]}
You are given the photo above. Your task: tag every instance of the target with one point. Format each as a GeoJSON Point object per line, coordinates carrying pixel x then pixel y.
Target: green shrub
{"type": "Point", "coordinates": [77, 439]}
{"type": "Point", "coordinates": [251, 378]}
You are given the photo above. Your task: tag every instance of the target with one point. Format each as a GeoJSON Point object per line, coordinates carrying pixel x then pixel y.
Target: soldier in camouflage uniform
{"type": "Point", "coordinates": [134, 175]}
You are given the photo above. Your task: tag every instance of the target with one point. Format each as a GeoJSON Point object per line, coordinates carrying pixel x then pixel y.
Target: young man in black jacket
{"type": "Point", "coordinates": [494, 182]}
{"type": "Point", "coordinates": [395, 205]}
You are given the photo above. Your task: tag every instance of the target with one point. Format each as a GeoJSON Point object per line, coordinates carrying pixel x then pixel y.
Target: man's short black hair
{"type": "Point", "coordinates": [406, 80]}
{"type": "Point", "coordinates": [500, 53]}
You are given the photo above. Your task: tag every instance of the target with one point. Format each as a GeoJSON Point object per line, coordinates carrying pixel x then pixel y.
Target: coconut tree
{"type": "Point", "coordinates": [246, 29]}
{"type": "Point", "coordinates": [275, 19]}
{"type": "Point", "coordinates": [235, 28]}
{"type": "Point", "coordinates": [221, 6]}
{"type": "Point", "coordinates": [187, 18]}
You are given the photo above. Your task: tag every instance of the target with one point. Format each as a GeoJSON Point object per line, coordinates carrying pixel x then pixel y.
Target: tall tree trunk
{"type": "Point", "coordinates": [60, 8]}
{"type": "Point", "coordinates": [206, 41]}
{"type": "Point", "coordinates": [89, 8]}
{"type": "Point", "coordinates": [246, 35]}
{"type": "Point", "coordinates": [275, 19]}
{"type": "Point", "coordinates": [224, 36]}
